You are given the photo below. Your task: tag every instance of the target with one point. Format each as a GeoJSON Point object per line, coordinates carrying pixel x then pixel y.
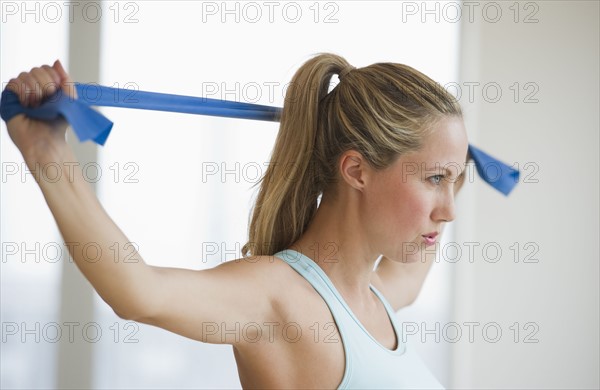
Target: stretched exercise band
{"type": "Point", "coordinates": [89, 124]}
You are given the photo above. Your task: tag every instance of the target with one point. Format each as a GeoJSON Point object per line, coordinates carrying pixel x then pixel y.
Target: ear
{"type": "Point", "coordinates": [354, 169]}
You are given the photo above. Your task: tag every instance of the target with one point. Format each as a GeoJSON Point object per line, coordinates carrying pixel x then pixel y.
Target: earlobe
{"type": "Point", "coordinates": [352, 169]}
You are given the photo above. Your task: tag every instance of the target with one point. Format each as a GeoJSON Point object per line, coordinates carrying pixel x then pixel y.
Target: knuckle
{"type": "Point", "coordinates": [48, 70]}
{"type": "Point", "coordinates": [13, 85]}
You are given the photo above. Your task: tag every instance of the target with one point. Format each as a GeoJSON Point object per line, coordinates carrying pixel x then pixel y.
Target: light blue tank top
{"type": "Point", "coordinates": [369, 365]}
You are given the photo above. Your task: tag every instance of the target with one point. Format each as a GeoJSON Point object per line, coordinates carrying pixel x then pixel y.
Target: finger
{"type": "Point", "coordinates": [13, 85]}
{"type": "Point", "coordinates": [37, 87]}
{"type": "Point", "coordinates": [53, 76]}
{"type": "Point", "coordinates": [53, 73]}
{"type": "Point", "coordinates": [44, 84]}
{"type": "Point", "coordinates": [27, 88]}
{"type": "Point", "coordinates": [65, 81]}
{"type": "Point", "coordinates": [16, 85]}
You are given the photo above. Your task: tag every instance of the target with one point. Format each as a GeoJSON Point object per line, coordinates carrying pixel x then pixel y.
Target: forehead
{"type": "Point", "coordinates": [446, 145]}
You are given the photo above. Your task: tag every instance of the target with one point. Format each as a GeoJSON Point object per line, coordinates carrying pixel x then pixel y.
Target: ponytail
{"type": "Point", "coordinates": [290, 187]}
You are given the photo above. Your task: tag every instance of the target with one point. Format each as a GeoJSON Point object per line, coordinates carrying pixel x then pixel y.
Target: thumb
{"type": "Point", "coordinates": [66, 84]}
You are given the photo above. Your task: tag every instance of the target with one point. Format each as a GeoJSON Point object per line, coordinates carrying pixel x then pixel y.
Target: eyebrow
{"type": "Point", "coordinates": [448, 171]}
{"type": "Point", "coordinates": [445, 169]}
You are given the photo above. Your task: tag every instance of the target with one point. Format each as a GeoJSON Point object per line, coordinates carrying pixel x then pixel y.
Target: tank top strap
{"type": "Point", "coordinates": [316, 277]}
{"type": "Point", "coordinates": [392, 314]}
{"type": "Point", "coordinates": [346, 320]}
{"type": "Point", "coordinates": [368, 363]}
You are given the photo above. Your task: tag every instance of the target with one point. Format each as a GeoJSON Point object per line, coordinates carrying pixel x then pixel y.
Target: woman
{"type": "Point", "coordinates": [367, 171]}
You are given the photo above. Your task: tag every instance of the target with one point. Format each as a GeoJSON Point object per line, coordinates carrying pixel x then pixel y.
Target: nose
{"type": "Point", "coordinates": [444, 209]}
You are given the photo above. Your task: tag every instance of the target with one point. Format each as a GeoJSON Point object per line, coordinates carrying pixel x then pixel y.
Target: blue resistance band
{"type": "Point", "coordinates": [89, 124]}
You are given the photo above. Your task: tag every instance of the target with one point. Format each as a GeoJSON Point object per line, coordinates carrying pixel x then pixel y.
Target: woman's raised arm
{"type": "Point", "coordinates": [179, 300]}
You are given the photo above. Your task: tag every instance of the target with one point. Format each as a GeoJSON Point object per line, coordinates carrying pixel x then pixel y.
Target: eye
{"type": "Point", "coordinates": [436, 179]}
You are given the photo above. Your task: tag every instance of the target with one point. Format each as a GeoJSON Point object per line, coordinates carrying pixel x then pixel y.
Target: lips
{"type": "Point", "coordinates": [429, 238]}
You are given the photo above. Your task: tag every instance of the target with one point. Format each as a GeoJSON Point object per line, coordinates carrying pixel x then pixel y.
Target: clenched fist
{"type": "Point", "coordinates": [32, 135]}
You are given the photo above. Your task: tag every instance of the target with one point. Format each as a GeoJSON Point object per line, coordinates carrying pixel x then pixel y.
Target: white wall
{"type": "Point", "coordinates": [557, 214]}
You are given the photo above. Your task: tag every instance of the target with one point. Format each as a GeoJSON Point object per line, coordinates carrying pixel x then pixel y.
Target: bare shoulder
{"type": "Point", "coordinates": [290, 295]}
{"type": "Point", "coordinates": [268, 269]}
{"type": "Point", "coordinates": [283, 359]}
{"type": "Point", "coordinates": [276, 279]}
{"type": "Point", "coordinates": [262, 267]}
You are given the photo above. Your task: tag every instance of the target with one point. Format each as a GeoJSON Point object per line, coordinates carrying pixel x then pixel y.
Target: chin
{"type": "Point", "coordinates": [414, 253]}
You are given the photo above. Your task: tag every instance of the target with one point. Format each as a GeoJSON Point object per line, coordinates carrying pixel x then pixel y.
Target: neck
{"type": "Point", "coordinates": [335, 241]}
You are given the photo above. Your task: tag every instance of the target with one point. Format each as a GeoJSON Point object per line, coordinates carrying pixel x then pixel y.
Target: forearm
{"type": "Point", "coordinates": [119, 276]}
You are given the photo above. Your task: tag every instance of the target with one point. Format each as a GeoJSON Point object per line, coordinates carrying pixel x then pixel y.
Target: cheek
{"type": "Point", "coordinates": [408, 208]}
{"type": "Point", "coordinates": [413, 211]}
{"type": "Point", "coordinates": [412, 199]}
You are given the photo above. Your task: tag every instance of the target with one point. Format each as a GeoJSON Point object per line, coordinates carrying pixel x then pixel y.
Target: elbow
{"type": "Point", "coordinates": [129, 315]}
{"type": "Point", "coordinates": [137, 311]}
{"type": "Point", "coordinates": [135, 303]}
{"type": "Point", "coordinates": [122, 315]}
{"type": "Point", "coordinates": [123, 312]}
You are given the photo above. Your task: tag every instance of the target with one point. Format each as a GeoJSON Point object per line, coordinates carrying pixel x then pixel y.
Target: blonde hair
{"type": "Point", "coordinates": [382, 111]}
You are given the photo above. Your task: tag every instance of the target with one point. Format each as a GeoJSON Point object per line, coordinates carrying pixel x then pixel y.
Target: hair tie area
{"type": "Point", "coordinates": [345, 71]}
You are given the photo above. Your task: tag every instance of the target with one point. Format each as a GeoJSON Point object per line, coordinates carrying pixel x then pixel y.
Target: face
{"type": "Point", "coordinates": [406, 204]}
